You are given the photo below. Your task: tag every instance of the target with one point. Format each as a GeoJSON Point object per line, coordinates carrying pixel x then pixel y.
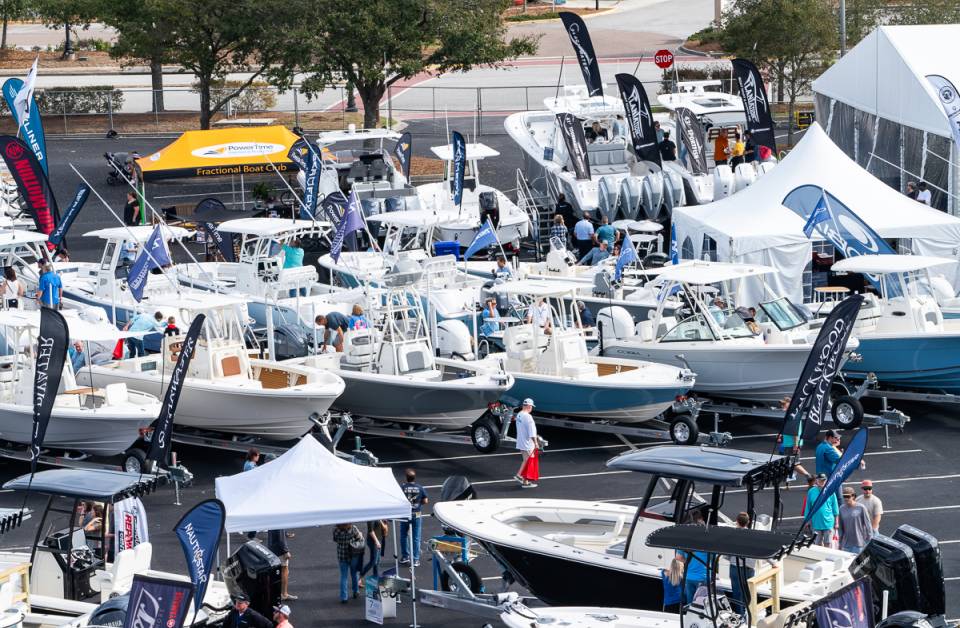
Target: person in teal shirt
{"type": "Point", "coordinates": [49, 288]}
{"type": "Point", "coordinates": [824, 520]}
{"type": "Point", "coordinates": [606, 233]}
{"type": "Point", "coordinates": [293, 254]}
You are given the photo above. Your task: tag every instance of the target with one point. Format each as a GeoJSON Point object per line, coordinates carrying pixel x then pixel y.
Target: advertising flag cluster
{"type": "Point", "coordinates": [52, 344]}
{"type": "Point", "coordinates": [808, 405]}
{"type": "Point", "coordinates": [756, 105]}
{"type": "Point", "coordinates": [639, 118]}
{"type": "Point", "coordinates": [79, 200]}
{"type": "Point", "coordinates": [29, 126]}
{"type": "Point", "coordinates": [583, 47]}
{"type": "Point", "coordinates": [153, 255]}
{"type": "Point", "coordinates": [199, 532]}
{"type": "Point", "coordinates": [163, 426]}
{"type": "Point", "coordinates": [571, 128]}
{"type": "Point", "coordinates": [31, 181]}
{"type": "Point", "coordinates": [157, 602]}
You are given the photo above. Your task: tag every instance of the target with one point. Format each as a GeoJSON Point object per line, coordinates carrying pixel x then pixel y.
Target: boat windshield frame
{"type": "Point", "coordinates": [783, 313]}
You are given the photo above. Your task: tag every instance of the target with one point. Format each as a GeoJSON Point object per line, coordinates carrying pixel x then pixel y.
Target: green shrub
{"type": "Point", "coordinates": [258, 96]}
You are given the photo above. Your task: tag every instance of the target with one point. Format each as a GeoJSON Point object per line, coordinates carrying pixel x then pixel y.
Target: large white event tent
{"type": "Point", "coordinates": [309, 486]}
{"type": "Point", "coordinates": [754, 227]}
{"type": "Point", "coordinates": [878, 106]}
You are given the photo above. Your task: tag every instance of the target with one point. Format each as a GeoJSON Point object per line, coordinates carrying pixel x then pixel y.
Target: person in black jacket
{"type": "Point", "coordinates": [277, 543]}
{"type": "Point", "coordinates": [242, 616]}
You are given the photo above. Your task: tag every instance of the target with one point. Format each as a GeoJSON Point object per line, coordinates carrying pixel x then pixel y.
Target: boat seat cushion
{"type": "Point", "coordinates": [230, 365]}
{"type": "Point", "coordinates": [116, 393]}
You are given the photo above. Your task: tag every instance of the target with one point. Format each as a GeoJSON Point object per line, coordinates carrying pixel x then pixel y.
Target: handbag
{"type": "Point", "coordinates": [357, 543]}
{"type": "Point", "coordinates": [531, 468]}
{"type": "Point", "coordinates": [118, 350]}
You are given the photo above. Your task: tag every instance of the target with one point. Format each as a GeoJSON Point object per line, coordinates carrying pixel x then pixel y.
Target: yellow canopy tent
{"type": "Point", "coordinates": [220, 152]}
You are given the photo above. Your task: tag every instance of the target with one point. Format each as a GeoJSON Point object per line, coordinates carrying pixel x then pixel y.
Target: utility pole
{"type": "Point", "coordinates": [843, 27]}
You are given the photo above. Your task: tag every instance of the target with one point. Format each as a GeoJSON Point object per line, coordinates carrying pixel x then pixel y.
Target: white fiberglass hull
{"type": "Point", "coordinates": [101, 432]}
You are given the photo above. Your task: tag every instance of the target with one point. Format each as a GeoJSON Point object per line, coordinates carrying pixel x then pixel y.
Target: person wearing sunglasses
{"type": "Point", "coordinates": [855, 530]}
{"type": "Point", "coordinates": [872, 503]}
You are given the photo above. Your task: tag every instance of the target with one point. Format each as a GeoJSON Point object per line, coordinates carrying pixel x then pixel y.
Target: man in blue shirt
{"type": "Point", "coordinates": [334, 324]}
{"type": "Point", "coordinates": [417, 495]}
{"type": "Point", "coordinates": [606, 233]}
{"type": "Point", "coordinates": [142, 322]}
{"type": "Point", "coordinates": [596, 255]}
{"type": "Point", "coordinates": [78, 359]}
{"type": "Point", "coordinates": [50, 289]}
{"type": "Point", "coordinates": [583, 234]}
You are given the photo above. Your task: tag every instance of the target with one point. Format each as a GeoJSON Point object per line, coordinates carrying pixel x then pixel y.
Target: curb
{"type": "Point", "coordinates": [695, 53]}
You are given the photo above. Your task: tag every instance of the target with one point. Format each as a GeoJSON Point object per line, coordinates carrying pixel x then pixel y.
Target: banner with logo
{"type": "Point", "coordinates": [849, 607]}
{"type": "Point", "coordinates": [224, 244]}
{"type": "Point", "coordinates": [350, 221]}
{"type": "Point", "coordinates": [157, 602]}
{"type": "Point", "coordinates": [827, 217]}
{"type": "Point", "coordinates": [129, 524]}
{"type": "Point", "coordinates": [571, 128]}
{"type": "Point", "coordinates": [153, 255]}
{"type": "Point", "coordinates": [639, 118]}
{"type": "Point", "coordinates": [402, 151]}
{"type": "Point", "coordinates": [808, 405]}
{"type": "Point", "coordinates": [199, 532]}
{"type": "Point", "coordinates": [755, 103]}
{"type": "Point", "coordinates": [52, 343]}
{"type": "Point", "coordinates": [163, 426]}
{"type": "Point", "coordinates": [693, 139]}
{"type": "Point", "coordinates": [311, 185]}
{"type": "Point", "coordinates": [459, 152]}
{"type": "Point", "coordinates": [30, 126]}
{"type": "Point", "coordinates": [79, 200]}
{"type": "Point", "coordinates": [583, 47]}
{"type": "Point", "coordinates": [848, 463]}
{"type": "Point", "coordinates": [950, 101]}
{"type": "Point", "coordinates": [486, 236]}
{"type": "Point", "coordinates": [32, 183]}
{"type": "Point", "coordinates": [298, 153]}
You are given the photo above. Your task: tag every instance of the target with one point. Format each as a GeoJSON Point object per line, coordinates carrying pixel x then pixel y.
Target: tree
{"type": "Point", "coordinates": [375, 43]}
{"type": "Point", "coordinates": [66, 14]}
{"type": "Point", "coordinates": [862, 17]}
{"type": "Point", "coordinates": [928, 12]}
{"type": "Point", "coordinates": [214, 38]}
{"type": "Point", "coordinates": [792, 40]}
{"type": "Point", "coordinates": [10, 10]}
{"type": "Point", "coordinates": [144, 32]}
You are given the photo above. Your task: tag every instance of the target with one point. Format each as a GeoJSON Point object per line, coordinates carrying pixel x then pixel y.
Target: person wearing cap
{"type": "Point", "coordinates": [824, 520]}
{"type": "Point", "coordinates": [527, 439]}
{"type": "Point", "coordinates": [242, 616]}
{"type": "Point", "coordinates": [281, 616]}
{"type": "Point", "coordinates": [873, 505]}
{"type": "Point", "coordinates": [668, 150]}
{"type": "Point", "coordinates": [854, 522]}
{"type": "Point", "coordinates": [417, 496]}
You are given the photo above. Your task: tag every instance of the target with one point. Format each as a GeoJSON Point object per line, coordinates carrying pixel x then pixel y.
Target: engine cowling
{"type": "Point", "coordinates": [615, 323]}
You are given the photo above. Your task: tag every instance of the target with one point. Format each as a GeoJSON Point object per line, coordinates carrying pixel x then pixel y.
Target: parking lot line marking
{"type": "Point", "coordinates": [514, 453]}
{"type": "Point", "coordinates": [545, 477]}
{"type": "Point", "coordinates": [902, 510]}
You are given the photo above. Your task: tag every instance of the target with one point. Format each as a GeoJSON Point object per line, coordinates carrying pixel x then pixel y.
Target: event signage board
{"type": "Point", "coordinates": [583, 47]}
{"type": "Point", "coordinates": [373, 599]}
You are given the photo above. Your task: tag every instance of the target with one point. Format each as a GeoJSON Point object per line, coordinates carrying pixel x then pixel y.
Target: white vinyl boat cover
{"type": "Point", "coordinates": [309, 486]}
{"type": "Point", "coordinates": [754, 227]}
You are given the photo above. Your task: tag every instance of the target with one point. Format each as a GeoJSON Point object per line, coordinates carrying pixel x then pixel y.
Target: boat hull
{"type": "Point", "coordinates": [101, 433]}
{"type": "Point", "coordinates": [928, 362]}
{"type": "Point", "coordinates": [754, 373]}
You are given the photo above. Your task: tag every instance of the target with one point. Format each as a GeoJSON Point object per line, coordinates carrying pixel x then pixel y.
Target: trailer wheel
{"type": "Point", "coordinates": [847, 412]}
{"type": "Point", "coordinates": [134, 460]}
{"type": "Point", "coordinates": [485, 435]}
{"type": "Point", "coordinates": [684, 430]}
{"type": "Point", "coordinates": [467, 573]}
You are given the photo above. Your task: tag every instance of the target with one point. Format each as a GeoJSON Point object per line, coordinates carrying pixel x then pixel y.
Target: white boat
{"type": "Point", "coordinates": [731, 359]}
{"type": "Point", "coordinates": [554, 368]}
{"type": "Point", "coordinates": [479, 202]}
{"type": "Point", "coordinates": [226, 390]}
{"type": "Point", "coordinates": [102, 421]}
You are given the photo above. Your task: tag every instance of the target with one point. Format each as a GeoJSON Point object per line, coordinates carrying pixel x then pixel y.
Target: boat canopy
{"type": "Point", "coordinates": [268, 227]}
{"type": "Point", "coordinates": [728, 541]}
{"type": "Point", "coordinates": [575, 101]}
{"type": "Point", "coordinates": [474, 151]}
{"type": "Point", "coordinates": [889, 263]}
{"type": "Point", "coordinates": [421, 218]}
{"type": "Point", "coordinates": [537, 288]}
{"type": "Point", "coordinates": [647, 226]}
{"type": "Point", "coordinates": [140, 233]}
{"type": "Point", "coordinates": [18, 236]}
{"type": "Point", "coordinates": [352, 135]}
{"type": "Point", "coordinates": [701, 273]}
{"type": "Point", "coordinates": [78, 328]}
{"type": "Point", "coordinates": [712, 465]}
{"type": "Point", "coordinates": [101, 485]}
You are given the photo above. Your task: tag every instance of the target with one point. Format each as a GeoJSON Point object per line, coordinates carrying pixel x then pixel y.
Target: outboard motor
{"type": "Point", "coordinates": [926, 555]}
{"type": "Point", "coordinates": [651, 194]}
{"type": "Point", "coordinates": [615, 323]}
{"type": "Point", "coordinates": [254, 571]}
{"type": "Point", "coordinates": [722, 182]}
{"type": "Point", "coordinates": [912, 619]}
{"type": "Point", "coordinates": [454, 339]}
{"type": "Point", "coordinates": [603, 285]}
{"type": "Point", "coordinates": [489, 207]}
{"type": "Point", "coordinates": [113, 612]}
{"type": "Point", "coordinates": [744, 176]}
{"type": "Point", "coordinates": [629, 197]}
{"type": "Point", "coordinates": [607, 198]}
{"type": "Point", "coordinates": [673, 191]}
{"type": "Point", "coordinates": [890, 565]}
{"type": "Point", "coordinates": [290, 341]}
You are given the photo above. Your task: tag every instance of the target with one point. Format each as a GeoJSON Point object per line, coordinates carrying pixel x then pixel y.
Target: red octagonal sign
{"type": "Point", "coordinates": [663, 59]}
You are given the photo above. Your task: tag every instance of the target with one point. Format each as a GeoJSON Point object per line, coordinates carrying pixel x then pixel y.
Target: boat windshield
{"type": "Point", "coordinates": [696, 328]}
{"type": "Point", "coordinates": [783, 313]}
{"type": "Point", "coordinates": [222, 323]}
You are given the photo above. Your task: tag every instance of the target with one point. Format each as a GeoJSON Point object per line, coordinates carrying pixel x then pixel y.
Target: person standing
{"type": "Point", "coordinates": [558, 232]}
{"type": "Point", "coordinates": [749, 148]}
{"type": "Point", "coordinates": [377, 531]}
{"type": "Point", "coordinates": [606, 233]}
{"type": "Point", "coordinates": [252, 459]}
{"type": "Point", "coordinates": [583, 235]}
{"type": "Point", "coordinates": [668, 150]}
{"type": "Point", "coordinates": [737, 151]}
{"type": "Point", "coordinates": [417, 496]}
{"type": "Point", "coordinates": [277, 543]}
{"type": "Point", "coordinates": [672, 579]}
{"type": "Point", "coordinates": [660, 132]}
{"type": "Point", "coordinates": [50, 289]}
{"type": "Point", "coordinates": [721, 148]}
{"type": "Point", "coordinates": [923, 194]}
{"type": "Point", "coordinates": [293, 258]}
{"type": "Point", "coordinates": [350, 546]}
{"type": "Point", "coordinates": [827, 455]}
{"type": "Point", "coordinates": [131, 210]}
{"type": "Point", "coordinates": [854, 523]}
{"type": "Point", "coordinates": [739, 575]}
{"type": "Point", "coordinates": [565, 209]}
{"type": "Point", "coordinates": [619, 127]}
{"type": "Point", "coordinates": [911, 191]}
{"type": "Point", "coordinates": [823, 521]}
{"type": "Point", "coordinates": [281, 616]}
{"type": "Point", "coordinates": [141, 322]}
{"type": "Point", "coordinates": [527, 440]}
{"type": "Point", "coordinates": [12, 289]}
{"type": "Point", "coordinates": [242, 616]}
{"type": "Point", "coordinates": [873, 505]}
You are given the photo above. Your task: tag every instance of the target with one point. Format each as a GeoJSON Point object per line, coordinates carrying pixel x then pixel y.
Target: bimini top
{"type": "Point", "coordinates": [474, 151]}
{"type": "Point", "coordinates": [730, 541]}
{"type": "Point", "coordinates": [889, 263]}
{"type": "Point", "coordinates": [355, 135]}
{"type": "Point", "coordinates": [647, 226]}
{"type": "Point", "coordinates": [712, 465]}
{"type": "Point", "coordinates": [536, 288]}
{"type": "Point", "coordinates": [269, 227]}
{"type": "Point", "coordinates": [700, 273]}
{"type": "Point", "coordinates": [20, 236]}
{"type": "Point", "coordinates": [95, 484]}
{"type": "Point", "coordinates": [421, 218]}
{"type": "Point", "coordinates": [140, 233]}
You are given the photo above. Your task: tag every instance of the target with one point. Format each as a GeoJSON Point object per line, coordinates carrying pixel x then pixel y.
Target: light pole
{"type": "Point", "coordinates": [843, 27]}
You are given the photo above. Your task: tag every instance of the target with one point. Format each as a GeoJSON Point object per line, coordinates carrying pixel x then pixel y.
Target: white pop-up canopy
{"type": "Point", "coordinates": [754, 227]}
{"type": "Point", "coordinates": [309, 486]}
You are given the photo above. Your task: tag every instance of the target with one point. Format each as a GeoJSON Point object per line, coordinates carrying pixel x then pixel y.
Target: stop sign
{"type": "Point", "coordinates": [663, 59]}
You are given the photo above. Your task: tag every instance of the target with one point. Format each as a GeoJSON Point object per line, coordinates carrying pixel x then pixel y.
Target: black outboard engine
{"type": "Point", "coordinates": [889, 564]}
{"type": "Point", "coordinates": [489, 207]}
{"type": "Point", "coordinates": [926, 555]}
{"type": "Point", "coordinates": [456, 488]}
{"type": "Point", "coordinates": [254, 571]}
{"type": "Point", "coordinates": [912, 619]}
{"type": "Point", "coordinates": [113, 612]}
{"type": "Point", "coordinates": [655, 260]}
{"type": "Point", "coordinates": [290, 341]}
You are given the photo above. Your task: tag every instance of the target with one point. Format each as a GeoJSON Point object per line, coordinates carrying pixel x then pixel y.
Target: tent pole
{"type": "Point", "coordinates": [413, 581]}
{"type": "Point", "coordinates": [243, 194]}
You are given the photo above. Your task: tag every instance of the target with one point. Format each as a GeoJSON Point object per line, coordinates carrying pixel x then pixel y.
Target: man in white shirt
{"type": "Point", "coordinates": [872, 503]}
{"type": "Point", "coordinates": [583, 235]}
{"type": "Point", "coordinates": [540, 316]}
{"type": "Point", "coordinates": [527, 439]}
{"type": "Point", "coordinates": [924, 195]}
